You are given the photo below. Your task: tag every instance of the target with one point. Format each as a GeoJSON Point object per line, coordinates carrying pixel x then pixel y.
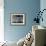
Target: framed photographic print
{"type": "Point", "coordinates": [17, 19]}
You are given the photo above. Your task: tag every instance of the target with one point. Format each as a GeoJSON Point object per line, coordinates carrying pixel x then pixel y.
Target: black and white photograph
{"type": "Point", "coordinates": [17, 19]}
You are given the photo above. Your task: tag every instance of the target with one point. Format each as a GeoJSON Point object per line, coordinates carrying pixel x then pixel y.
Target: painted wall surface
{"type": "Point", "coordinates": [43, 6]}
{"type": "Point", "coordinates": [29, 8]}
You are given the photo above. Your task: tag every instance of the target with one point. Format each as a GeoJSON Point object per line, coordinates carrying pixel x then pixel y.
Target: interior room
{"type": "Point", "coordinates": [22, 22]}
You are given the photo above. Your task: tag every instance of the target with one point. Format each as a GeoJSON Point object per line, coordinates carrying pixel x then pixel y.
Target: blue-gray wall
{"type": "Point", "coordinates": [43, 6]}
{"type": "Point", "coordinates": [29, 8]}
